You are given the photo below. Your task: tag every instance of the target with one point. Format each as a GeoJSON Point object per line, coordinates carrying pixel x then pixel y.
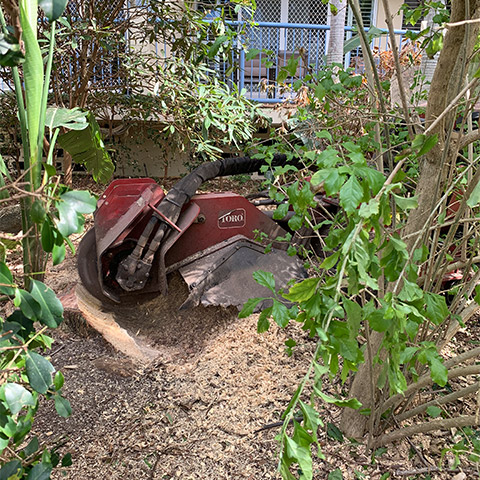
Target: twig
{"type": "Point", "coordinates": [418, 471]}
{"type": "Point", "coordinates": [416, 450]}
{"type": "Point", "coordinates": [451, 105]}
{"type": "Point", "coordinates": [61, 347]}
{"type": "Point", "coordinates": [269, 426]}
{"type": "Point", "coordinates": [463, 22]}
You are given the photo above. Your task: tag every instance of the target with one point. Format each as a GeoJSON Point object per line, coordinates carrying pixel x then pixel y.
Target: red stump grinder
{"type": "Point", "coordinates": [141, 235]}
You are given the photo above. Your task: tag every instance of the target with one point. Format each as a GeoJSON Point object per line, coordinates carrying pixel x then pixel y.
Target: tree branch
{"type": "Point", "coordinates": [425, 380]}
{"type": "Point", "coordinates": [438, 401]}
{"type": "Point", "coordinates": [436, 424]}
{"type": "Point", "coordinates": [469, 138]}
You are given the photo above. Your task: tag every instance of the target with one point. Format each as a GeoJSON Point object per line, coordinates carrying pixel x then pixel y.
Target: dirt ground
{"type": "Point", "coordinates": [195, 411]}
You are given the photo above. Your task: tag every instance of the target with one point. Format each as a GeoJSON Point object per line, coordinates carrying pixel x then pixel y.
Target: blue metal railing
{"type": "Point", "coordinates": [276, 45]}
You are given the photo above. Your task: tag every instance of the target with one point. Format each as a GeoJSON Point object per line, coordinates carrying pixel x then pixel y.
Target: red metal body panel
{"type": "Point", "coordinates": [222, 215]}
{"type": "Point", "coordinates": [124, 202]}
{"type": "Point", "coordinates": [207, 220]}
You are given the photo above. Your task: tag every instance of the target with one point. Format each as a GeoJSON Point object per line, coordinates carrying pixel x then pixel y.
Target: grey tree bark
{"type": "Point", "coordinates": [338, 9]}
{"type": "Point", "coordinates": [447, 81]}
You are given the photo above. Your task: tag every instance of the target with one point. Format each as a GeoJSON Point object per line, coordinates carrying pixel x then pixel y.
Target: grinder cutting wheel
{"type": "Point", "coordinates": [141, 235]}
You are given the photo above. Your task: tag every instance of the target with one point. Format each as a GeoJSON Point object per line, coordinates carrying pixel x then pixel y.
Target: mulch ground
{"type": "Point", "coordinates": [195, 411]}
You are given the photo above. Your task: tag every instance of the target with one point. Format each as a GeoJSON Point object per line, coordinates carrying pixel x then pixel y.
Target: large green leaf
{"type": "Point", "coordinates": [351, 195]}
{"type": "Point", "coordinates": [249, 307]}
{"type": "Point", "coordinates": [86, 147]}
{"type": "Point", "coordinates": [302, 291]}
{"type": "Point", "coordinates": [41, 471]}
{"type": "Point", "coordinates": [70, 207]}
{"type": "Point", "coordinates": [62, 406]}
{"type": "Point", "coordinates": [32, 73]}
{"type": "Point", "coordinates": [10, 53]}
{"type": "Point", "coordinates": [354, 42]}
{"type": "Point", "coordinates": [6, 280]}
{"type": "Point", "coordinates": [302, 456]}
{"type": "Point", "coordinates": [437, 310]}
{"type": "Point", "coordinates": [73, 119]}
{"type": "Point", "coordinates": [265, 279]}
{"type": "Point", "coordinates": [27, 304]}
{"type": "Point", "coordinates": [51, 307]}
{"type": "Point", "coordinates": [350, 403]}
{"type": "Point", "coordinates": [17, 397]}
{"type": "Point", "coordinates": [39, 372]}
{"type": "Point", "coordinates": [80, 200]}
{"type": "Point", "coordinates": [474, 198]}
{"type": "Point", "coordinates": [11, 470]}
{"type": "Point", "coordinates": [53, 8]}
{"type": "Point", "coordinates": [280, 314]}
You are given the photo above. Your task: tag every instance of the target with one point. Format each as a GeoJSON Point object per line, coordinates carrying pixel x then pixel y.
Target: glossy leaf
{"type": "Point", "coordinates": [62, 406]}
{"type": "Point", "coordinates": [70, 206]}
{"type": "Point", "coordinates": [369, 209]}
{"type": "Point", "coordinates": [251, 54]}
{"type": "Point", "coordinates": [17, 397]}
{"type": "Point", "coordinates": [53, 8]}
{"type": "Point", "coordinates": [280, 314]}
{"type": "Point", "coordinates": [213, 50]}
{"type": "Point", "coordinates": [58, 254]}
{"type": "Point", "coordinates": [406, 203]}
{"type": "Point", "coordinates": [39, 372]}
{"type": "Point", "coordinates": [11, 470]}
{"type": "Point", "coordinates": [438, 371]}
{"type": "Point", "coordinates": [37, 212]}
{"type": "Point", "coordinates": [350, 403]}
{"type": "Point", "coordinates": [302, 457]}
{"type": "Point", "coordinates": [58, 381]}
{"type": "Point", "coordinates": [27, 304]}
{"type": "Point", "coordinates": [47, 237]}
{"type": "Point", "coordinates": [351, 195]}
{"type": "Point", "coordinates": [311, 418]}
{"type": "Point", "coordinates": [86, 147]}
{"type": "Point", "coordinates": [437, 310]}
{"type": "Point", "coordinates": [41, 471]}
{"type": "Point", "coordinates": [80, 200]}
{"type": "Point", "coordinates": [474, 198]}
{"type": "Point", "coordinates": [433, 411]}
{"type": "Point", "coordinates": [263, 324]}
{"type": "Point", "coordinates": [6, 280]}
{"type": "Point", "coordinates": [51, 307]}
{"type": "Point", "coordinates": [10, 52]}
{"type": "Point", "coordinates": [72, 119]}
{"type": "Point", "coordinates": [335, 475]}
{"type": "Point", "coordinates": [249, 307]}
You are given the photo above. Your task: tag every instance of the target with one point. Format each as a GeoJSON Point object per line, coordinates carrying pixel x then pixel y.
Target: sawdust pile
{"type": "Point", "coordinates": [187, 418]}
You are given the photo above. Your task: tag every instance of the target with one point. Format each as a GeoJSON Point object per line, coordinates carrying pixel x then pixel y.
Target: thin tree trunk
{"type": "Point", "coordinates": [338, 9]}
{"type": "Point", "coordinates": [445, 84]}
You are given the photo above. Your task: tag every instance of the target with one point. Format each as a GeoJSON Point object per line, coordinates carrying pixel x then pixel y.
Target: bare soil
{"type": "Point", "coordinates": [195, 411]}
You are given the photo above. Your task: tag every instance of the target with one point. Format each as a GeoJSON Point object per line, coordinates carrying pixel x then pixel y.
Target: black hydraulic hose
{"type": "Point", "coordinates": [186, 188]}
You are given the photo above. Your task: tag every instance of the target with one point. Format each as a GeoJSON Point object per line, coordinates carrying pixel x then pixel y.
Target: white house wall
{"type": "Point", "coordinates": [394, 5]}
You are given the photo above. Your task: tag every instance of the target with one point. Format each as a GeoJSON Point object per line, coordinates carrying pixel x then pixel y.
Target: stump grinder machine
{"type": "Point", "coordinates": [141, 235]}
